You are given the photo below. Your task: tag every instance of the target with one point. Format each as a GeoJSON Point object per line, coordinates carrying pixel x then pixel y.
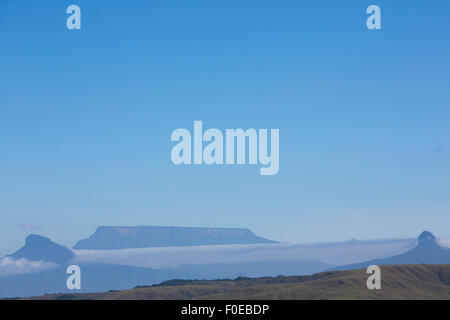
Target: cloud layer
{"type": "Point", "coordinates": [172, 257]}
{"type": "Point", "coordinates": [10, 266]}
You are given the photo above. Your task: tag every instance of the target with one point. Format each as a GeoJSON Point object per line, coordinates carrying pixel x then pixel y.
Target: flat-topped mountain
{"type": "Point", "coordinates": [41, 248]}
{"type": "Point", "coordinates": [110, 238]}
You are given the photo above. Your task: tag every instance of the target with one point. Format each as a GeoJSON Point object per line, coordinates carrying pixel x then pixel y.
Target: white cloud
{"type": "Point", "coordinates": [10, 266]}
{"type": "Point", "coordinates": [170, 257]}
{"type": "Point", "coordinates": [444, 242]}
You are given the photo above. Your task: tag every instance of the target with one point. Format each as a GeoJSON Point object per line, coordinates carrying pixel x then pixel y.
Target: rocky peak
{"type": "Point", "coordinates": [427, 237]}
{"type": "Point", "coordinates": [41, 248]}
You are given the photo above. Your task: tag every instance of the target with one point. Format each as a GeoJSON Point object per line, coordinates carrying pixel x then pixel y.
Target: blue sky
{"type": "Point", "coordinates": [86, 117]}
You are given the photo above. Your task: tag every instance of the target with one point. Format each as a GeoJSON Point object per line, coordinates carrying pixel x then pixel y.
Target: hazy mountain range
{"type": "Point", "coordinates": [147, 256]}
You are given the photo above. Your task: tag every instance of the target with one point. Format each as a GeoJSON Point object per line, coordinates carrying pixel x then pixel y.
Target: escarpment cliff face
{"type": "Point", "coordinates": [109, 238]}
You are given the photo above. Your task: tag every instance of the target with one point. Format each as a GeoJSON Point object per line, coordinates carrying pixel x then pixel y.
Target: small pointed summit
{"type": "Point", "coordinates": [426, 237]}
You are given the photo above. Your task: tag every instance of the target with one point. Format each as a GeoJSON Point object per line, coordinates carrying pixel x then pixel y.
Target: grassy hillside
{"type": "Point", "coordinates": [398, 282]}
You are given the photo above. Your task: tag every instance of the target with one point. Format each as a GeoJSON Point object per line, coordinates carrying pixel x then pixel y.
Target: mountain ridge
{"type": "Point", "coordinates": [427, 251]}
{"type": "Point", "coordinates": [415, 282]}
{"type": "Point", "coordinates": [39, 248]}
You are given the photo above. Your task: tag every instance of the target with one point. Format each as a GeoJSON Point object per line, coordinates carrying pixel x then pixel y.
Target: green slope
{"type": "Point", "coordinates": [398, 282]}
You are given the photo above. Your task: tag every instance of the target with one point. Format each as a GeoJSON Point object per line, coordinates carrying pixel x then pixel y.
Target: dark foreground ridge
{"type": "Point", "coordinates": [109, 238]}
{"type": "Point", "coordinates": [398, 282]}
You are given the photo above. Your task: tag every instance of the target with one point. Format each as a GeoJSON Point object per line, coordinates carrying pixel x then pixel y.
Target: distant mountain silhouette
{"type": "Point", "coordinates": [41, 248]}
{"type": "Point", "coordinates": [95, 277]}
{"type": "Point", "coordinates": [253, 269]}
{"type": "Point", "coordinates": [108, 238]}
{"type": "Point", "coordinates": [428, 251]}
